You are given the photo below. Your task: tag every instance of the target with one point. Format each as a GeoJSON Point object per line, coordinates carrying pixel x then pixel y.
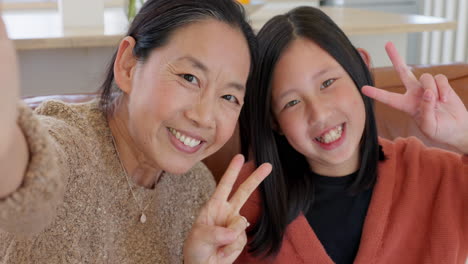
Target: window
{"type": "Point", "coordinates": [45, 4]}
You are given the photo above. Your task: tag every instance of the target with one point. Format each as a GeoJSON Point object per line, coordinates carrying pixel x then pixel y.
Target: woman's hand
{"type": "Point", "coordinates": [14, 153]}
{"type": "Point", "coordinates": [438, 111]}
{"type": "Point", "coordinates": [9, 88]}
{"type": "Point", "coordinates": [218, 235]}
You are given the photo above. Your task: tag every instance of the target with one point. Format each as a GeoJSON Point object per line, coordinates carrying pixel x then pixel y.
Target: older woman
{"type": "Point", "coordinates": [119, 180]}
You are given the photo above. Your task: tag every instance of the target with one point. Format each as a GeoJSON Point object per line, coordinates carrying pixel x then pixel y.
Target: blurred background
{"type": "Point", "coordinates": [64, 45]}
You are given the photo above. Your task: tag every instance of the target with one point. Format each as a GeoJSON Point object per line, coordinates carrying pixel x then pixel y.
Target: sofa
{"type": "Point", "coordinates": [391, 123]}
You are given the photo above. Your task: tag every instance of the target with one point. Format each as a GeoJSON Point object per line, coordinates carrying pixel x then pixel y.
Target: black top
{"type": "Point", "coordinates": [337, 217]}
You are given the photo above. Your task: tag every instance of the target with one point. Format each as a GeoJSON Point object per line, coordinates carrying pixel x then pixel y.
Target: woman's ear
{"type": "Point", "coordinates": [124, 65]}
{"type": "Point", "coordinates": [365, 56]}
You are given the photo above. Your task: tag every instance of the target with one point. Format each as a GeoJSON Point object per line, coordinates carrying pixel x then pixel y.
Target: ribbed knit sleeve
{"type": "Point", "coordinates": [32, 207]}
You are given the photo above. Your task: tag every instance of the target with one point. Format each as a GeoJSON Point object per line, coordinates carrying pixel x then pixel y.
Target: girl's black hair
{"type": "Point", "coordinates": [157, 20]}
{"type": "Point", "coordinates": [286, 192]}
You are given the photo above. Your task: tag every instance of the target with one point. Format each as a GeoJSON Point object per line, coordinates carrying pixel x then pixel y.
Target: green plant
{"type": "Point", "coordinates": [132, 8]}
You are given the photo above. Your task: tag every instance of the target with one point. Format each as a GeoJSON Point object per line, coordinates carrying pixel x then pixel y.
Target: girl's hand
{"type": "Point", "coordinates": [438, 111]}
{"type": "Point", "coordinates": [218, 235]}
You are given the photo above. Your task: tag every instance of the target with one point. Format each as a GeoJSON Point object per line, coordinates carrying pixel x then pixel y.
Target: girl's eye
{"type": "Point", "coordinates": [291, 103]}
{"type": "Point", "coordinates": [230, 98]}
{"type": "Point", "coordinates": [190, 78]}
{"type": "Point", "coordinates": [327, 83]}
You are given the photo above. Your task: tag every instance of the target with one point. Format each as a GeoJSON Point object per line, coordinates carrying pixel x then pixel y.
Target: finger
{"type": "Point", "coordinates": [427, 121]}
{"type": "Point", "coordinates": [406, 75]}
{"type": "Point", "coordinates": [233, 250]}
{"type": "Point", "coordinates": [224, 187]}
{"type": "Point", "coordinates": [238, 223]}
{"type": "Point", "coordinates": [428, 82]}
{"type": "Point", "coordinates": [394, 100]}
{"type": "Point", "coordinates": [213, 235]}
{"type": "Point", "coordinates": [444, 87]}
{"type": "Point", "coordinates": [248, 186]}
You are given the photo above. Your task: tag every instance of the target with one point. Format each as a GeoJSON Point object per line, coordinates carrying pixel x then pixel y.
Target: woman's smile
{"type": "Point", "coordinates": [184, 141]}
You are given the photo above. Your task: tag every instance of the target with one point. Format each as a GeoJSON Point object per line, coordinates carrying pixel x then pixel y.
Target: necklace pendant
{"type": "Point", "coordinates": [143, 218]}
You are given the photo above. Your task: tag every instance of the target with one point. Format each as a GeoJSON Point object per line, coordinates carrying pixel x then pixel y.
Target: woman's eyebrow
{"type": "Point", "coordinates": [195, 62]}
{"type": "Point", "coordinates": [237, 86]}
{"type": "Point", "coordinates": [198, 64]}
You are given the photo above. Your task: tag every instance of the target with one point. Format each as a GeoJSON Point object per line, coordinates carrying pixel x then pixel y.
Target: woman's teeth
{"type": "Point", "coordinates": [332, 135]}
{"type": "Point", "coordinates": [188, 141]}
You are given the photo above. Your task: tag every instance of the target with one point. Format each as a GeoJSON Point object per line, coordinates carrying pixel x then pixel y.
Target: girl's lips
{"type": "Point", "coordinates": [327, 130]}
{"type": "Point", "coordinates": [335, 144]}
{"type": "Point", "coordinates": [181, 146]}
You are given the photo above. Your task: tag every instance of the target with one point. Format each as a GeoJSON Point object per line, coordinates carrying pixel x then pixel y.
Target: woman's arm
{"type": "Point", "coordinates": [13, 148]}
{"type": "Point", "coordinates": [31, 185]}
{"type": "Point", "coordinates": [13, 163]}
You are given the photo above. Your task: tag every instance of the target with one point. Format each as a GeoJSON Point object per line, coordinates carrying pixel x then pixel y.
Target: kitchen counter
{"type": "Point", "coordinates": [33, 30]}
{"type": "Point", "coordinates": [53, 60]}
{"type": "Point", "coordinates": [365, 22]}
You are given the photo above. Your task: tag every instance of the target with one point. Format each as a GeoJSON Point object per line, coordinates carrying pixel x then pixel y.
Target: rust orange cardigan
{"type": "Point", "coordinates": [418, 212]}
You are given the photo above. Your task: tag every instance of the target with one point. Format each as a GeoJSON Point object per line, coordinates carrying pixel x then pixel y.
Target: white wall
{"type": "Point", "coordinates": [45, 72]}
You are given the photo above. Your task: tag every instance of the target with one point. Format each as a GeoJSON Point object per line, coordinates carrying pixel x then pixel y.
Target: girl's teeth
{"type": "Point", "coordinates": [188, 141]}
{"type": "Point", "coordinates": [331, 136]}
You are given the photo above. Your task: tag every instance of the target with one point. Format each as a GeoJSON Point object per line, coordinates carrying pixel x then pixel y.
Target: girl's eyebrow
{"type": "Point", "coordinates": [324, 71]}
{"type": "Point", "coordinates": [313, 77]}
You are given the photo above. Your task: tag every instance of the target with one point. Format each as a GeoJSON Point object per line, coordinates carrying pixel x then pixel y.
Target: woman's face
{"type": "Point", "coordinates": [186, 98]}
{"type": "Point", "coordinates": [318, 108]}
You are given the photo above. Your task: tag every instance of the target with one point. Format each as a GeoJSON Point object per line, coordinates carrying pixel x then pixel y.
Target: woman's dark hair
{"type": "Point", "coordinates": [157, 20]}
{"type": "Point", "coordinates": [287, 191]}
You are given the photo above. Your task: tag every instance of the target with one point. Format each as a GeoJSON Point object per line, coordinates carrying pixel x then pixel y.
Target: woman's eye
{"type": "Point", "coordinates": [190, 78]}
{"type": "Point", "coordinates": [230, 98]}
{"type": "Point", "coordinates": [291, 103]}
{"type": "Point", "coordinates": [327, 83]}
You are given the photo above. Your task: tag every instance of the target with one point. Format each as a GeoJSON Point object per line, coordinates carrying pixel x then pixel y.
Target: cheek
{"type": "Point", "coordinates": [291, 126]}
{"type": "Point", "coordinates": [225, 125]}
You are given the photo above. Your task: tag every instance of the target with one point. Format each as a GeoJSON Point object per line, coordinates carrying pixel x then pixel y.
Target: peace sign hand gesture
{"type": "Point", "coordinates": [218, 235]}
{"type": "Point", "coordinates": [438, 111]}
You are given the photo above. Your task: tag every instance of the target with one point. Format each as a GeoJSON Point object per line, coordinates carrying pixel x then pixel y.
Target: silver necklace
{"type": "Point", "coordinates": [143, 215]}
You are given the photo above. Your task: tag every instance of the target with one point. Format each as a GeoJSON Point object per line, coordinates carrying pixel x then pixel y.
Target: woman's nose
{"type": "Point", "coordinates": [202, 112]}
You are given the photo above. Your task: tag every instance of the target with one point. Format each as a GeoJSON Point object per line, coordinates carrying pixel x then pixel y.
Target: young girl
{"type": "Point", "coordinates": [338, 193]}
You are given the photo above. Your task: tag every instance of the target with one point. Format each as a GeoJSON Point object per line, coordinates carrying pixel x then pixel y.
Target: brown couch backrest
{"type": "Point", "coordinates": [391, 123]}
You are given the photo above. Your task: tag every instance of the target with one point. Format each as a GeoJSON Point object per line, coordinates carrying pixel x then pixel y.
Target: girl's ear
{"type": "Point", "coordinates": [125, 64]}
{"type": "Point", "coordinates": [365, 56]}
{"type": "Point", "coordinates": [276, 126]}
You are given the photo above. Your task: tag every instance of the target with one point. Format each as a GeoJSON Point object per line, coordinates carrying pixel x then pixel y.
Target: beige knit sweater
{"type": "Point", "coordinates": [75, 205]}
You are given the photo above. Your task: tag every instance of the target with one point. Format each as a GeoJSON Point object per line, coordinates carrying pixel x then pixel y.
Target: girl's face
{"type": "Point", "coordinates": [186, 98]}
{"type": "Point", "coordinates": [318, 108]}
